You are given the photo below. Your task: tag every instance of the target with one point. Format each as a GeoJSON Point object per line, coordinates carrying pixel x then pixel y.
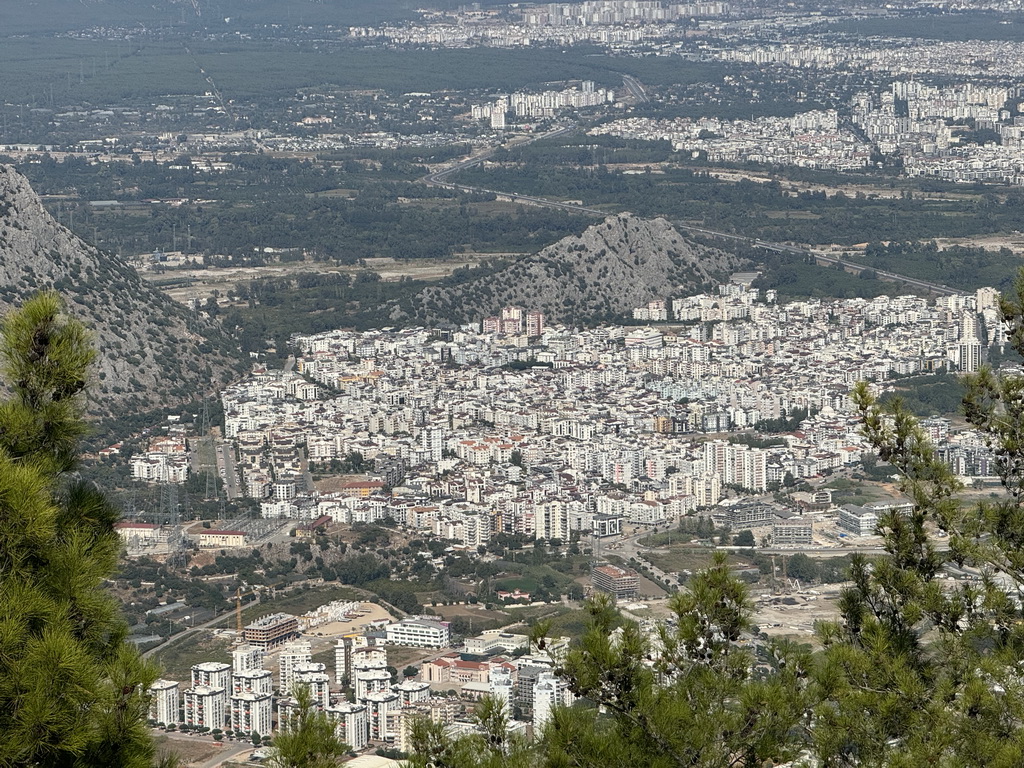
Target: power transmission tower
{"type": "Point", "coordinates": [170, 513]}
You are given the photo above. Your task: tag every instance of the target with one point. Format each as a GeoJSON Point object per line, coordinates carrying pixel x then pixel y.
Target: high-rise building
{"type": "Point", "coordinates": [351, 723]}
{"type": "Point", "coordinates": [370, 681]}
{"type": "Point", "coordinates": [271, 631]}
{"type": "Point", "coordinates": [412, 691]}
{"type": "Point", "coordinates": [534, 323]}
{"type": "Point", "coordinates": [622, 583]}
{"type": "Point", "coordinates": [252, 713]}
{"type": "Point", "coordinates": [545, 698]}
{"type": "Point", "coordinates": [246, 658]}
{"type": "Point", "coordinates": [969, 355]}
{"type": "Point", "coordinates": [206, 706]}
{"type": "Point", "coordinates": [253, 681]}
{"type": "Point", "coordinates": [502, 688]}
{"type": "Point", "coordinates": [214, 674]}
{"type": "Point", "coordinates": [292, 654]}
{"type": "Point", "coordinates": [432, 441]}
{"type": "Point", "coordinates": [548, 692]}
{"type": "Point", "coordinates": [382, 709]}
{"type": "Point", "coordinates": [314, 676]}
{"type": "Point", "coordinates": [163, 707]}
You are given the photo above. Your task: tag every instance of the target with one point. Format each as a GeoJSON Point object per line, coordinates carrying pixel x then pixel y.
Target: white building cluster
{"type": "Point", "coordinates": [166, 460]}
{"type": "Point", "coordinates": [607, 12]}
{"type": "Point", "coordinates": [809, 139]}
{"type": "Point", "coordinates": [467, 434]}
{"type": "Point", "coordinates": [246, 698]}
{"type": "Point", "coordinates": [544, 104]}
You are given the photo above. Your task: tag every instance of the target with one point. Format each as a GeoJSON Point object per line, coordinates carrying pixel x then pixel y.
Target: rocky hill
{"type": "Point", "coordinates": [601, 275]}
{"type": "Point", "coordinates": [153, 351]}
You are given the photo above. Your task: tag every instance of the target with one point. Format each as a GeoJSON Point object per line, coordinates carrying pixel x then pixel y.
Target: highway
{"type": "Point", "coordinates": [635, 88]}
{"type": "Point", "coordinates": [441, 179]}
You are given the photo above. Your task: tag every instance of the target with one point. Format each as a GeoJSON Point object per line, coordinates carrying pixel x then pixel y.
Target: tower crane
{"type": "Point", "coordinates": [239, 594]}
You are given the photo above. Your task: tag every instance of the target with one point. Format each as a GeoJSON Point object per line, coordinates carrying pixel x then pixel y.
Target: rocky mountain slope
{"type": "Point", "coordinates": [153, 351]}
{"type": "Point", "coordinates": [601, 275]}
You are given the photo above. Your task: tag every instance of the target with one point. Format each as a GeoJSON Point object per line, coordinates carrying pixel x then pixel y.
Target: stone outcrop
{"type": "Point", "coordinates": [154, 352]}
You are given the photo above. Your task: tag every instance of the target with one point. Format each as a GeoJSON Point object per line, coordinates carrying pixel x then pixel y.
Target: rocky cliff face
{"type": "Point", "coordinates": [153, 351]}
{"type": "Point", "coordinates": [601, 275]}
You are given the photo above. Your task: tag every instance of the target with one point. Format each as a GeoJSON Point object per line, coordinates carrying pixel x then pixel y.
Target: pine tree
{"type": "Point", "coordinates": [308, 739]}
{"type": "Point", "coordinates": [72, 690]}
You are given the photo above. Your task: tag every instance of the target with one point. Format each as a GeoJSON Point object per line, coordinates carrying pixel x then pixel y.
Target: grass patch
{"type": "Point", "coordinates": [686, 557]}
{"type": "Point", "coordinates": [176, 660]}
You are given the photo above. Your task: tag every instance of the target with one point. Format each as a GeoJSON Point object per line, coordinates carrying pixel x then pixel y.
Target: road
{"type": "Point", "coordinates": [229, 751]}
{"type": "Point", "coordinates": [223, 617]}
{"type": "Point", "coordinates": [440, 179]}
{"type": "Point", "coordinates": [228, 470]}
{"type": "Point", "coordinates": [635, 88]}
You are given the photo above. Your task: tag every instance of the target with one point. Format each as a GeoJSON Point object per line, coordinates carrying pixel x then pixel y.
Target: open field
{"type": "Point", "coordinates": [299, 602]}
{"type": "Point", "coordinates": [188, 749]}
{"type": "Point", "coordinates": [176, 659]}
{"type": "Point", "coordinates": [201, 283]}
{"type": "Point", "coordinates": [793, 615]}
{"type": "Point", "coordinates": [448, 612]}
{"type": "Point", "coordinates": [680, 557]}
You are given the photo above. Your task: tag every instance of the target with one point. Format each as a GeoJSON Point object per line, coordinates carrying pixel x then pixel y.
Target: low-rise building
{"type": "Point", "coordinates": [495, 641]}
{"type": "Point", "coordinates": [795, 532]}
{"type": "Point", "coordinates": [421, 632]}
{"type": "Point", "coordinates": [857, 520]}
{"type": "Point", "coordinates": [223, 539]}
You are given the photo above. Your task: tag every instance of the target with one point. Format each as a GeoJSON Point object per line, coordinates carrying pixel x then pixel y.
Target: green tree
{"type": "Point", "coordinates": [307, 739]}
{"type": "Point", "coordinates": [72, 690]}
{"type": "Point", "coordinates": [490, 747]}
{"type": "Point", "coordinates": [744, 538]}
{"type": "Point", "coordinates": [691, 698]}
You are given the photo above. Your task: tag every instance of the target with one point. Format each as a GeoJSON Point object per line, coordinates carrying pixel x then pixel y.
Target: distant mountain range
{"type": "Point", "coordinates": [600, 275]}
{"type": "Point", "coordinates": [154, 352]}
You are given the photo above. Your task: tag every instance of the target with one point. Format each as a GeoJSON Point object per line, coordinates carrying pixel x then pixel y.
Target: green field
{"type": "Point", "coordinates": [52, 72]}
{"type": "Point", "coordinates": [176, 660]}
{"type": "Point", "coordinates": [687, 557]}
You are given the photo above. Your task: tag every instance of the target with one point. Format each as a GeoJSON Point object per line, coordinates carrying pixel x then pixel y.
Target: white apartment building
{"type": "Point", "coordinates": [412, 691]}
{"type": "Point", "coordinates": [246, 658]}
{"type": "Point", "coordinates": [502, 688]}
{"type": "Point", "coordinates": [252, 681]}
{"type": "Point", "coordinates": [370, 681]}
{"type": "Point", "coordinates": [292, 655]}
{"type": "Point", "coordinates": [351, 723]}
{"type": "Point", "coordinates": [314, 677]}
{"type": "Point", "coordinates": [163, 706]}
{"type": "Point", "coordinates": [419, 633]}
{"type": "Point", "coordinates": [382, 710]}
{"type": "Point", "coordinates": [252, 712]}
{"type": "Point", "coordinates": [206, 706]}
{"type": "Point", "coordinates": [859, 521]}
{"type": "Point", "coordinates": [213, 674]}
{"type": "Point", "coordinates": [548, 692]}
{"type": "Point", "coordinates": [545, 699]}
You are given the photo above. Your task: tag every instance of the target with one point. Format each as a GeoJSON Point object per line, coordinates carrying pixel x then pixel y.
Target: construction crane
{"type": "Point", "coordinates": [239, 594]}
